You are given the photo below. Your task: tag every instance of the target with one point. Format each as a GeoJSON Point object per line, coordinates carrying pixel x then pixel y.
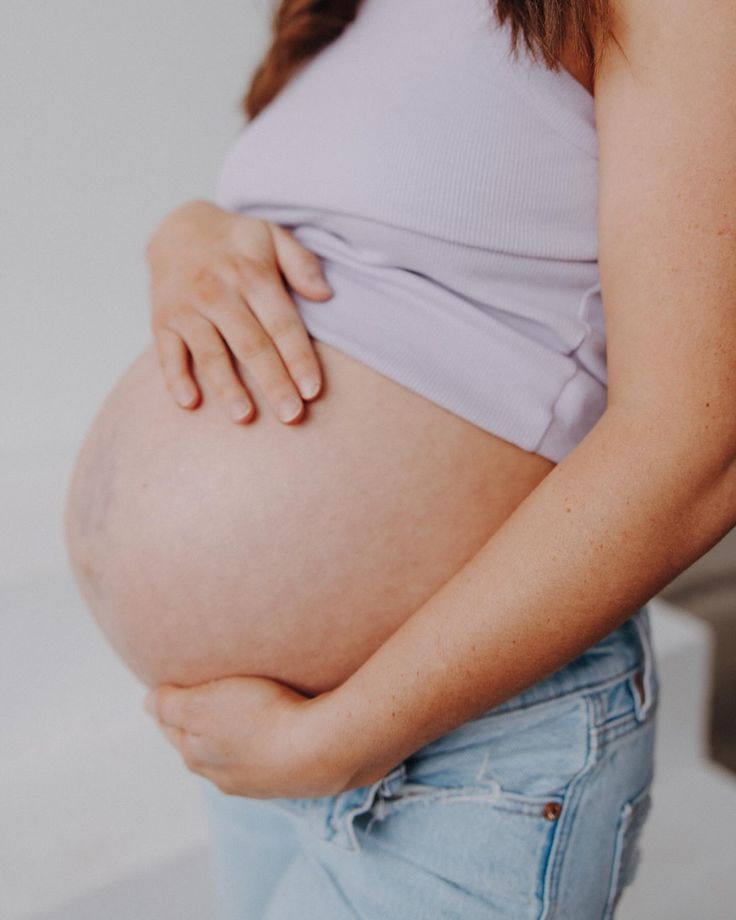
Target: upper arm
{"type": "Point", "coordinates": [666, 122]}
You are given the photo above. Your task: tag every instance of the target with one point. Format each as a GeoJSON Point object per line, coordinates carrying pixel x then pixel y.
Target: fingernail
{"type": "Point", "coordinates": [185, 396]}
{"type": "Point", "coordinates": [239, 410]}
{"type": "Point", "coordinates": [308, 386]}
{"type": "Point", "coordinates": [289, 408]}
{"type": "Point", "coordinates": [320, 283]}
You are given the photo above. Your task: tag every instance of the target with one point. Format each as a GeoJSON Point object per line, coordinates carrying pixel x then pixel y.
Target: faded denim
{"type": "Point", "coordinates": [532, 811]}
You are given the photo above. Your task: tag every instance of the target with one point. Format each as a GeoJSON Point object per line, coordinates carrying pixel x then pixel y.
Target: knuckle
{"type": "Point", "coordinates": [253, 344]}
{"type": "Point", "coordinates": [172, 318]}
{"type": "Point", "coordinates": [210, 356]}
{"type": "Point", "coordinates": [254, 269]}
{"type": "Point", "coordinates": [166, 351]}
{"type": "Point", "coordinates": [172, 375]}
{"type": "Point", "coordinates": [252, 222]}
{"type": "Point", "coordinates": [160, 343]}
{"type": "Point", "coordinates": [166, 365]}
{"type": "Point", "coordinates": [305, 360]}
{"type": "Point", "coordinates": [161, 318]}
{"type": "Point", "coordinates": [261, 230]}
{"type": "Point", "coordinates": [284, 324]}
{"type": "Point", "coordinates": [207, 284]}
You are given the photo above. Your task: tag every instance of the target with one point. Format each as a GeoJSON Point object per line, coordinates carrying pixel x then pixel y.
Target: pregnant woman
{"type": "Point", "coordinates": [398, 624]}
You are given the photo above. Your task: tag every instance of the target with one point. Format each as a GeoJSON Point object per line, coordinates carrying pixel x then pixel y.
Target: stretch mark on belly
{"type": "Point", "coordinates": [97, 486]}
{"type": "Point", "coordinates": [89, 505]}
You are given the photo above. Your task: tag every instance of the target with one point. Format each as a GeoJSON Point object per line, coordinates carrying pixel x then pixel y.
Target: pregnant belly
{"type": "Point", "coordinates": [205, 548]}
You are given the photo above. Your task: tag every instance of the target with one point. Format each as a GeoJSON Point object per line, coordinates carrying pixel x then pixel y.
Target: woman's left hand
{"type": "Point", "coordinates": [251, 736]}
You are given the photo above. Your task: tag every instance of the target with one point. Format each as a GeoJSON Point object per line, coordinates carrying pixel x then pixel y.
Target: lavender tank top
{"type": "Point", "coordinates": [450, 191]}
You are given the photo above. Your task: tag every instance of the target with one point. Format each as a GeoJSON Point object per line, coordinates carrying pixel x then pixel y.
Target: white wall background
{"type": "Point", "coordinates": [110, 115]}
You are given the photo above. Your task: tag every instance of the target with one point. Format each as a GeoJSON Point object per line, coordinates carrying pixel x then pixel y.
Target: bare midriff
{"type": "Point", "coordinates": [205, 548]}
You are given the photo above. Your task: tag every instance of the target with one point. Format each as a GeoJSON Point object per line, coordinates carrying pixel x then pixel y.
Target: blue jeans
{"type": "Point", "coordinates": [532, 810]}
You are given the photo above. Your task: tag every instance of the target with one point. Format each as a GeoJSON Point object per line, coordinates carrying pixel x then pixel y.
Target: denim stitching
{"type": "Point", "coordinates": [583, 689]}
{"type": "Point", "coordinates": [510, 801]}
{"type": "Point", "coordinates": [553, 864]}
{"type": "Point", "coordinates": [625, 726]}
{"type": "Point", "coordinates": [632, 817]}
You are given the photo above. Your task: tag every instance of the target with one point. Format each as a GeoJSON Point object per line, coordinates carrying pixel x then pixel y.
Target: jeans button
{"type": "Point", "coordinates": [551, 810]}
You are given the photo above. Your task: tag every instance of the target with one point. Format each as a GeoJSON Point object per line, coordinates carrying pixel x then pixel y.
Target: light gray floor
{"type": "Point", "coordinates": [179, 889]}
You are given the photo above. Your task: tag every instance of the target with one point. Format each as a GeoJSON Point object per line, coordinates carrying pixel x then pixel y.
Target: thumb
{"type": "Point", "coordinates": [301, 267]}
{"type": "Point", "coordinates": [177, 707]}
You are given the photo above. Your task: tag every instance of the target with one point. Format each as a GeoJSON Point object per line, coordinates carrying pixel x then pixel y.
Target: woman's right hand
{"type": "Point", "coordinates": [216, 284]}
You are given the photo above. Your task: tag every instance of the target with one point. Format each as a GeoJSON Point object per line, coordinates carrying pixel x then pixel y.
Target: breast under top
{"type": "Point", "coordinates": [450, 191]}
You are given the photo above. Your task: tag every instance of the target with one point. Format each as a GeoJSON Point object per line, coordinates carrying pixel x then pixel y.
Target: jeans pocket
{"type": "Point", "coordinates": [539, 751]}
{"type": "Point", "coordinates": [481, 808]}
{"type": "Point", "coordinates": [632, 817]}
{"type": "Point", "coordinates": [520, 760]}
{"type": "Point", "coordinates": [501, 777]}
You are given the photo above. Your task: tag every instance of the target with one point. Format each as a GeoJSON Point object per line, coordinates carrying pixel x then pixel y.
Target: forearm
{"type": "Point", "coordinates": [612, 524]}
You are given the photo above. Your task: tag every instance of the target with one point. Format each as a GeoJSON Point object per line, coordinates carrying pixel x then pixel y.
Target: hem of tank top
{"type": "Point", "coordinates": [553, 443]}
{"type": "Point", "coordinates": [551, 448]}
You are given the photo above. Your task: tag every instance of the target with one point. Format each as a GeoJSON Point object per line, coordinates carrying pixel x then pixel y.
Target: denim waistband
{"type": "Point", "coordinates": [624, 651]}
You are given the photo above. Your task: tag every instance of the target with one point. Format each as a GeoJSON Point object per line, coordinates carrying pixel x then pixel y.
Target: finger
{"type": "Point", "coordinates": [205, 750]}
{"type": "Point", "coordinates": [177, 707]}
{"type": "Point", "coordinates": [191, 756]}
{"type": "Point", "coordinates": [251, 345]}
{"type": "Point", "coordinates": [293, 359]}
{"type": "Point", "coordinates": [301, 267]}
{"type": "Point", "coordinates": [175, 736]}
{"type": "Point", "coordinates": [173, 357]}
{"type": "Point", "coordinates": [288, 356]}
{"type": "Point", "coordinates": [212, 359]}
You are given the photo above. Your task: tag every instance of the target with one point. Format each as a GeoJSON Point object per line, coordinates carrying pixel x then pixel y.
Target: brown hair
{"type": "Point", "coordinates": [301, 28]}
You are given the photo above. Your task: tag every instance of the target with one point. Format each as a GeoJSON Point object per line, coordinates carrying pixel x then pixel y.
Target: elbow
{"type": "Point", "coordinates": [720, 495]}
{"type": "Point", "coordinates": [711, 512]}
{"type": "Point", "coordinates": [694, 458]}
{"type": "Point", "coordinates": [701, 444]}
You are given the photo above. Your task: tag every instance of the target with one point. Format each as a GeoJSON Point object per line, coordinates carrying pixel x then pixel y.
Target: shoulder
{"type": "Point", "coordinates": [667, 72]}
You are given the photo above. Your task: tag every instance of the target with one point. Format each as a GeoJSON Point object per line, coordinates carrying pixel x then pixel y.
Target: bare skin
{"type": "Point", "coordinates": [206, 549]}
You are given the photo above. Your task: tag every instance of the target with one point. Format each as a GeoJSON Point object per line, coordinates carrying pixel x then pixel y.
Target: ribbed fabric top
{"type": "Point", "coordinates": [450, 191]}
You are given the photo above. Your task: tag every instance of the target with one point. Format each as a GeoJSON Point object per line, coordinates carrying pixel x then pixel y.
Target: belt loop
{"type": "Point", "coordinates": [645, 679]}
{"type": "Point", "coordinates": [345, 808]}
